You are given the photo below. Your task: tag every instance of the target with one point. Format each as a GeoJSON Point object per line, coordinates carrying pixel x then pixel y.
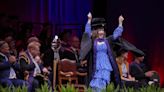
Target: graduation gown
{"type": "Point", "coordinates": [86, 53]}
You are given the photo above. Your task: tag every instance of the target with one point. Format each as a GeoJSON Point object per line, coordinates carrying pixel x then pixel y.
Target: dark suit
{"type": "Point", "coordinates": [137, 72]}
{"type": "Point", "coordinates": [48, 59]}
{"type": "Point", "coordinates": [5, 73]}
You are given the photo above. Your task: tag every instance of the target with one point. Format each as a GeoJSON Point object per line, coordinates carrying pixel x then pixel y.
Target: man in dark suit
{"type": "Point", "coordinates": [136, 70]}
{"type": "Point", "coordinates": [71, 53]}
{"type": "Point", "coordinates": [8, 65]}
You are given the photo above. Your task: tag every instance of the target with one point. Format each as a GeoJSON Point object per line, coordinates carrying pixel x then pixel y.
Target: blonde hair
{"type": "Point", "coordinates": [33, 45]}
{"type": "Point", "coordinates": [31, 39]}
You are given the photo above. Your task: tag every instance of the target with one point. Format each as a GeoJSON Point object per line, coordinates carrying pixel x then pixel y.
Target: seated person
{"type": "Point", "coordinates": [145, 77]}
{"type": "Point", "coordinates": [29, 65]}
{"type": "Point", "coordinates": [72, 54]}
{"type": "Point", "coordinates": [123, 67]}
{"type": "Point", "coordinates": [51, 57]}
{"type": "Point", "coordinates": [65, 38]}
{"type": "Point", "coordinates": [8, 67]}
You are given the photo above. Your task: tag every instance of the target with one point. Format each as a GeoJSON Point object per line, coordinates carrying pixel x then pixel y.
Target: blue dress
{"type": "Point", "coordinates": [101, 77]}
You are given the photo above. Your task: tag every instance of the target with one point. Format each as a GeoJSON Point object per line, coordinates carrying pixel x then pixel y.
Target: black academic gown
{"type": "Point", "coordinates": [86, 52]}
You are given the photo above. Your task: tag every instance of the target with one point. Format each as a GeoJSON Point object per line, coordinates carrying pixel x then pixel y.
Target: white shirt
{"type": "Point", "coordinates": [37, 68]}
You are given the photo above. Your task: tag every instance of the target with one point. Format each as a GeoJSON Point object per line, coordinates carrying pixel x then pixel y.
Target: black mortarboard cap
{"type": "Point", "coordinates": [98, 22]}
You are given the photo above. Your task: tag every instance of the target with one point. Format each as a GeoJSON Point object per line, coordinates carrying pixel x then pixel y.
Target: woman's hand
{"type": "Point", "coordinates": [89, 17]}
{"type": "Point", "coordinates": [120, 20]}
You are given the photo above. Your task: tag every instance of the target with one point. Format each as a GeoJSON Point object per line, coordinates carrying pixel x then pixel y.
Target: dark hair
{"type": "Point", "coordinates": [138, 55]}
{"type": "Point", "coordinates": [121, 51]}
{"type": "Point", "coordinates": [66, 31]}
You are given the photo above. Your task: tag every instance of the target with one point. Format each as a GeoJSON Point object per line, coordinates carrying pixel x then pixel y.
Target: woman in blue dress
{"type": "Point", "coordinates": [103, 62]}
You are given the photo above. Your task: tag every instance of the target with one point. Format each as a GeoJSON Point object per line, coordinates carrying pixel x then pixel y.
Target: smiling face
{"type": "Point", "coordinates": [100, 32]}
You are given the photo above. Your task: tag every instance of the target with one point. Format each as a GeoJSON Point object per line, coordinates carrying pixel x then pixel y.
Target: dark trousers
{"type": "Point", "coordinates": [33, 83]}
{"type": "Point", "coordinates": [15, 83]}
{"type": "Point", "coordinates": [12, 82]}
{"type": "Point", "coordinates": [133, 84]}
